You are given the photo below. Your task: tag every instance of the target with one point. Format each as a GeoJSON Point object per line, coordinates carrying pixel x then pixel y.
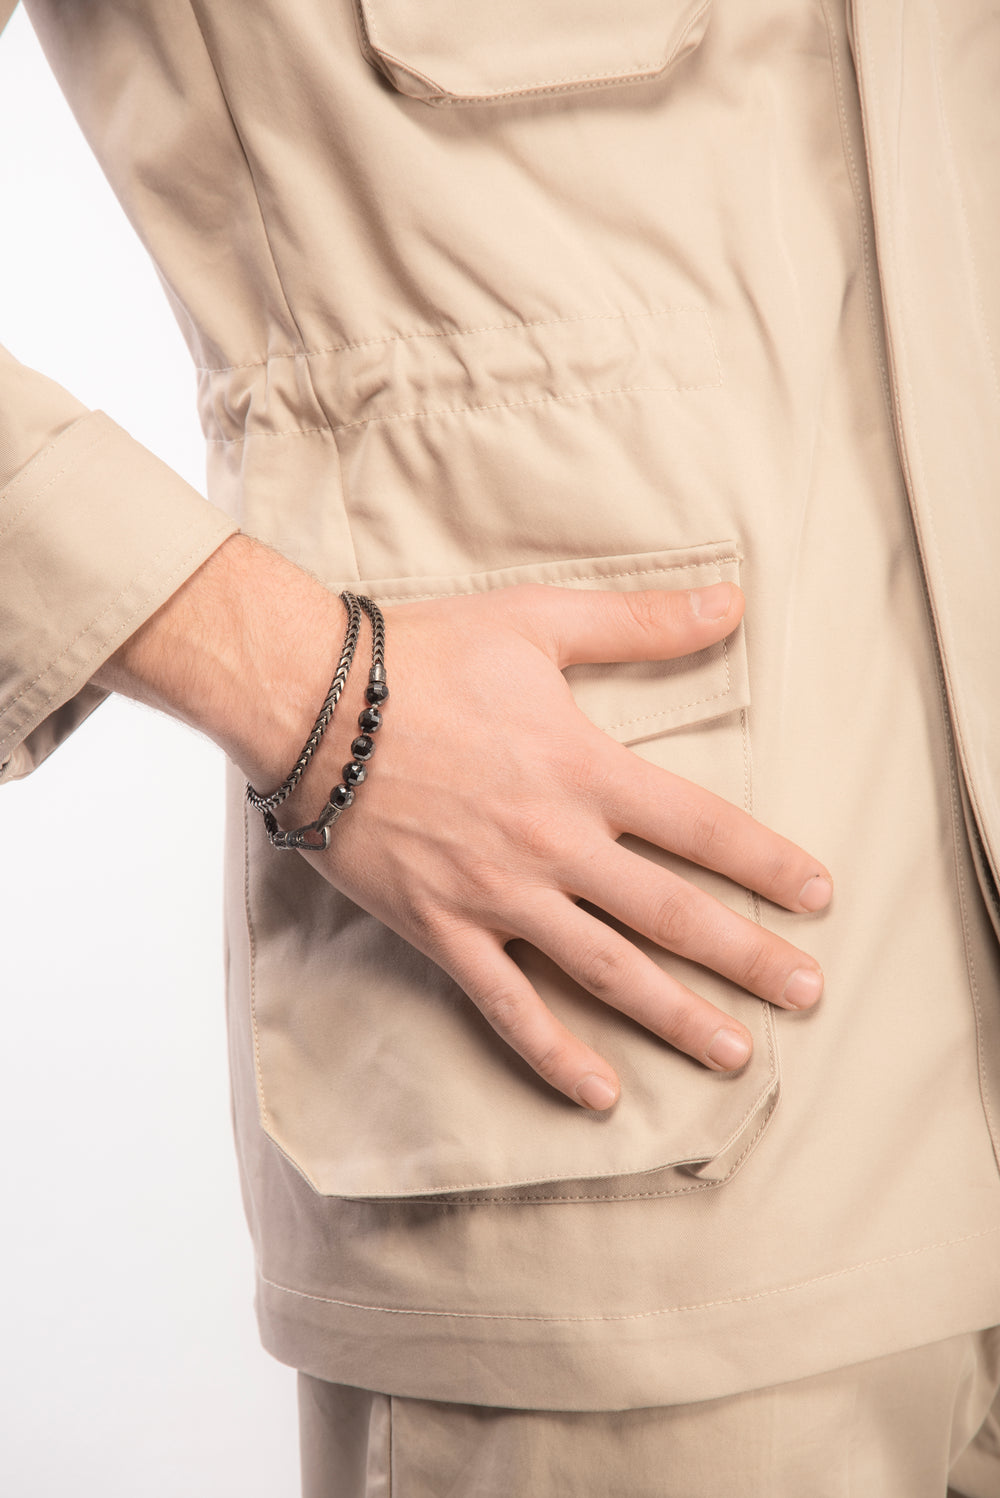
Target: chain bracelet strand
{"type": "Point", "coordinates": [287, 786]}
{"type": "Point", "coordinates": [315, 836]}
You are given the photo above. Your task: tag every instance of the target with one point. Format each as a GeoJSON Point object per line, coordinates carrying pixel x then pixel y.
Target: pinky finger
{"type": "Point", "coordinates": [499, 989]}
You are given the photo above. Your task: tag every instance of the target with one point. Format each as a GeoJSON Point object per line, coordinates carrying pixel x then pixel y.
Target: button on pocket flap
{"type": "Point", "coordinates": [471, 51]}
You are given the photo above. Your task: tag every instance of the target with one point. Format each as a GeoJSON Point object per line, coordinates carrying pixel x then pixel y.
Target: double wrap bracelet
{"type": "Point", "coordinates": [315, 836]}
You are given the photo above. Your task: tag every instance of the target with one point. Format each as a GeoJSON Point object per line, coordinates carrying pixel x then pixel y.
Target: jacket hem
{"type": "Point", "coordinates": [674, 1355]}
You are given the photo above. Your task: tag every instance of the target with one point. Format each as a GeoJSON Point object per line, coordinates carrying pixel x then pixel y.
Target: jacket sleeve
{"type": "Point", "coordinates": [95, 534]}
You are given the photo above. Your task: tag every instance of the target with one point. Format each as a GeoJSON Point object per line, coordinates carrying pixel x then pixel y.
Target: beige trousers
{"type": "Point", "coordinates": [918, 1424]}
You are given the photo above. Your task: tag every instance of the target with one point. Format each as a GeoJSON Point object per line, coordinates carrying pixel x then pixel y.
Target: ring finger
{"type": "Point", "coordinates": [614, 970]}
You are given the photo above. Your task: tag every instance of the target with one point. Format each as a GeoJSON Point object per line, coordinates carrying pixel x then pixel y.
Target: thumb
{"type": "Point", "coordinates": [651, 625]}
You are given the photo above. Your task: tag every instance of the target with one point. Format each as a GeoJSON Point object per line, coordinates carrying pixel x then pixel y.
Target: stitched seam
{"type": "Point", "coordinates": [680, 707]}
{"type": "Point", "coordinates": [581, 81]}
{"type": "Point", "coordinates": [372, 34]}
{"type": "Point", "coordinates": [33, 462]}
{"type": "Point", "coordinates": [910, 456]}
{"type": "Point", "coordinates": [11, 520]}
{"type": "Point", "coordinates": [499, 327]}
{"type": "Point", "coordinates": [911, 459]}
{"type": "Point", "coordinates": [140, 609]}
{"type": "Point", "coordinates": [705, 1305]}
{"type": "Point", "coordinates": [541, 400]}
{"type": "Point", "coordinates": [544, 86]}
{"type": "Point", "coordinates": [290, 432]}
{"type": "Point", "coordinates": [487, 1195]}
{"type": "Point", "coordinates": [983, 864]}
{"type": "Point", "coordinates": [576, 577]}
{"type": "Point", "coordinates": [755, 910]}
{"type": "Point", "coordinates": [449, 100]}
{"type": "Point", "coordinates": [769, 1088]}
{"type": "Point", "coordinates": [490, 1198]}
{"type": "Point", "coordinates": [755, 914]}
{"type": "Point", "coordinates": [970, 960]}
{"type": "Point", "coordinates": [875, 324]}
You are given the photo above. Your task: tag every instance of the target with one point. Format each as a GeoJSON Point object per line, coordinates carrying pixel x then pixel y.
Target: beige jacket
{"type": "Point", "coordinates": [599, 298]}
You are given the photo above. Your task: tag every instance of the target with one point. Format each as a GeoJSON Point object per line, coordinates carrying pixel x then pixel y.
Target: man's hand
{"type": "Point", "coordinates": [493, 804]}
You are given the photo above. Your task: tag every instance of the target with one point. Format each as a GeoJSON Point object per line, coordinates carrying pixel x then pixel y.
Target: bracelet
{"type": "Point", "coordinates": [314, 837]}
{"type": "Point", "coordinates": [287, 786]}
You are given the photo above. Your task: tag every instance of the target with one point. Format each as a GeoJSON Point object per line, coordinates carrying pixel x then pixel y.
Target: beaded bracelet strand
{"type": "Point", "coordinates": [315, 836]}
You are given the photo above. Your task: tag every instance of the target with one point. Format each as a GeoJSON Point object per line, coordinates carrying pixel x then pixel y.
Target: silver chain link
{"type": "Point", "coordinates": [315, 836]}
{"type": "Point", "coordinates": [287, 786]}
{"type": "Point", "coordinates": [377, 672]}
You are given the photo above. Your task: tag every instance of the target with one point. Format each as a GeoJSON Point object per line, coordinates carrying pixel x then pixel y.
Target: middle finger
{"type": "Point", "coordinates": [676, 814]}
{"type": "Point", "coordinates": [683, 919]}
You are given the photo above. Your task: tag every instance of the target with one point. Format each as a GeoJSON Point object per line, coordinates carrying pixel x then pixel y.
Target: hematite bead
{"type": "Point", "coordinates": [341, 796]}
{"type": "Point", "coordinates": [376, 691]}
{"type": "Point", "coordinates": [370, 719]}
{"type": "Point", "coordinates": [354, 773]}
{"type": "Point", "coordinates": [363, 747]}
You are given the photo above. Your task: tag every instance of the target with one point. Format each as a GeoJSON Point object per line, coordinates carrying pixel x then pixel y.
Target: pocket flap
{"type": "Point", "coordinates": [632, 700]}
{"type": "Point", "coordinates": [471, 51]}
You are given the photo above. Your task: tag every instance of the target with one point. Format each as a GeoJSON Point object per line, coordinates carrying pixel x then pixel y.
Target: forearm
{"type": "Point", "coordinates": [244, 652]}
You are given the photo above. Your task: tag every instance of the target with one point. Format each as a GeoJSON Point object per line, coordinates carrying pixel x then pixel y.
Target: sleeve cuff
{"type": "Point", "coordinates": [95, 534]}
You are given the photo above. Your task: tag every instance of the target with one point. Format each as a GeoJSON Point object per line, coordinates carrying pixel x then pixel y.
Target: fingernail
{"type": "Point", "coordinates": [803, 987]}
{"type": "Point", "coordinates": [594, 1092]}
{"type": "Point", "coordinates": [713, 602]}
{"type": "Point", "coordinates": [728, 1049]}
{"type": "Point", "coordinates": [815, 893]}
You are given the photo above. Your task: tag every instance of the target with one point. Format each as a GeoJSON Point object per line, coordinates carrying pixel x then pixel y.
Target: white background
{"type": "Point", "coordinates": [130, 1363]}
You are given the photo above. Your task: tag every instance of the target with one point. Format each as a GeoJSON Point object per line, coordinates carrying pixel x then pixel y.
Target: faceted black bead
{"type": "Point", "coordinates": [363, 747]}
{"type": "Point", "coordinates": [370, 719]}
{"type": "Point", "coordinates": [376, 691]}
{"type": "Point", "coordinates": [354, 773]}
{"type": "Point", "coordinates": [341, 796]}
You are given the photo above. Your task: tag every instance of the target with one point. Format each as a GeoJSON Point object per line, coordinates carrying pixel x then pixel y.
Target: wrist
{"type": "Point", "coordinates": [309, 832]}
{"type": "Point", "coordinates": [243, 652]}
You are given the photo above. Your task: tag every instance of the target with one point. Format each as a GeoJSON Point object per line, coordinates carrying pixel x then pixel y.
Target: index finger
{"type": "Point", "coordinates": [685, 818]}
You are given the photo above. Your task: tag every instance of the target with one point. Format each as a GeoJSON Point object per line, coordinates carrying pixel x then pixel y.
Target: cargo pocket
{"type": "Point", "coordinates": [479, 52]}
{"type": "Point", "coordinates": [377, 1077]}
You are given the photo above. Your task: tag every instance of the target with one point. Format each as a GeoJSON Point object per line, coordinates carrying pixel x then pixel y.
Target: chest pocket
{"type": "Point", "coordinates": [481, 52]}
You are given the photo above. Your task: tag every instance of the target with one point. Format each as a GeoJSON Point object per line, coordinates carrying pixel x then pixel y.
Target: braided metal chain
{"type": "Point", "coordinates": [287, 786]}
{"type": "Point", "coordinates": [377, 672]}
{"type": "Point", "coordinates": [314, 837]}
